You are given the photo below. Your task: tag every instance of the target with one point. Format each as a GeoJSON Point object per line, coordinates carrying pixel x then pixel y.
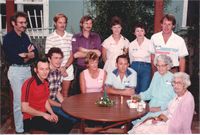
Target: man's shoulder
{"type": "Point", "coordinates": [29, 81]}
{"type": "Point", "coordinates": [158, 34]}
{"type": "Point", "coordinates": [131, 72]}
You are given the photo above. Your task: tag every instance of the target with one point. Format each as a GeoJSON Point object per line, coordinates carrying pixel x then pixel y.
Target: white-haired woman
{"type": "Point", "coordinates": [160, 91]}
{"type": "Point", "coordinates": [178, 117]}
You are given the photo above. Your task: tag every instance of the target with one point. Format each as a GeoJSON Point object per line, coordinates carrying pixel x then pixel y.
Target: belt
{"type": "Point", "coordinates": [16, 65]}
{"type": "Point", "coordinates": [140, 62]}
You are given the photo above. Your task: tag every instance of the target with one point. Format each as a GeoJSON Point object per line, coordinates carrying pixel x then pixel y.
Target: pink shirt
{"type": "Point", "coordinates": [94, 84]}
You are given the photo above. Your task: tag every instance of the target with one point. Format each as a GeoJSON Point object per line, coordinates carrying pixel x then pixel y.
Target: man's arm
{"type": "Point", "coordinates": [27, 109]}
{"type": "Point", "coordinates": [82, 52]}
{"type": "Point", "coordinates": [104, 54]}
{"type": "Point", "coordinates": [124, 92]}
{"type": "Point", "coordinates": [182, 64]}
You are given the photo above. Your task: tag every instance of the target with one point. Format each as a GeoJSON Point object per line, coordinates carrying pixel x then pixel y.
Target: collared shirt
{"type": "Point", "coordinates": [36, 93]}
{"type": "Point", "coordinates": [174, 48]}
{"type": "Point", "coordinates": [13, 44]}
{"type": "Point", "coordinates": [160, 91]}
{"type": "Point", "coordinates": [92, 42]}
{"type": "Point", "coordinates": [141, 53]}
{"type": "Point", "coordinates": [55, 80]}
{"type": "Point", "coordinates": [113, 50]}
{"type": "Point", "coordinates": [129, 80]}
{"type": "Point", "coordinates": [63, 42]}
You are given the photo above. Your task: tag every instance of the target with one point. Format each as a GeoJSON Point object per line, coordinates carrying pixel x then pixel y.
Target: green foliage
{"type": "Point", "coordinates": [130, 11]}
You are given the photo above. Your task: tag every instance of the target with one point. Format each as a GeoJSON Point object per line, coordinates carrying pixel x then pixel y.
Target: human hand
{"type": "Point", "coordinates": [46, 116]}
{"type": "Point", "coordinates": [23, 55]}
{"type": "Point", "coordinates": [31, 48]}
{"type": "Point", "coordinates": [54, 118]}
{"type": "Point", "coordinates": [63, 71]}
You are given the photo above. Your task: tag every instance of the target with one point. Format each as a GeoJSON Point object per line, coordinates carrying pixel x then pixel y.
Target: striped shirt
{"type": "Point", "coordinates": [62, 42]}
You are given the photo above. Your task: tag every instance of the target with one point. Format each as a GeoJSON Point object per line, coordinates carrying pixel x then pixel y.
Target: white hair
{"type": "Point", "coordinates": [185, 78]}
{"type": "Point", "coordinates": [166, 59]}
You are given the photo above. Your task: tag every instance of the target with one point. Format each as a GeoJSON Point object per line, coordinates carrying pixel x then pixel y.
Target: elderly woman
{"type": "Point", "coordinates": [92, 79]}
{"type": "Point", "coordinates": [178, 117]}
{"type": "Point", "coordinates": [114, 45]}
{"type": "Point", "coordinates": [160, 91]}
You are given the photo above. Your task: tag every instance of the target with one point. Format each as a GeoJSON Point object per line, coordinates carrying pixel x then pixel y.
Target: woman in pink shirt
{"type": "Point", "coordinates": [178, 117]}
{"type": "Point", "coordinates": [93, 78]}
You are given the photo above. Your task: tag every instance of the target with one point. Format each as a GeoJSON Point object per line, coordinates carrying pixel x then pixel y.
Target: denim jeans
{"type": "Point", "coordinates": [143, 70]}
{"type": "Point", "coordinates": [17, 76]}
{"type": "Point", "coordinates": [59, 111]}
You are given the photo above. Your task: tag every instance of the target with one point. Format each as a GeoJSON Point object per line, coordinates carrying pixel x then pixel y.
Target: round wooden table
{"type": "Point", "coordinates": [83, 106]}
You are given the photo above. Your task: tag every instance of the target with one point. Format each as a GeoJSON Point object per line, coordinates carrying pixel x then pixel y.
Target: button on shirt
{"type": "Point", "coordinates": [129, 80]}
{"type": "Point", "coordinates": [92, 42]}
{"type": "Point", "coordinates": [174, 48]}
{"type": "Point", "coordinates": [14, 44]}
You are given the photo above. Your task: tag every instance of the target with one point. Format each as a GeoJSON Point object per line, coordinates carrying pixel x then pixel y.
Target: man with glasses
{"type": "Point", "coordinates": [19, 53]}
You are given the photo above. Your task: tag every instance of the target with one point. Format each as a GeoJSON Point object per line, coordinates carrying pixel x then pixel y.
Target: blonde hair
{"type": "Point", "coordinates": [91, 56]}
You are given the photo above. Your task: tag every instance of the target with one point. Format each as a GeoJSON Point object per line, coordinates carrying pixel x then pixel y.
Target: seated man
{"type": "Point", "coordinates": [37, 112]}
{"type": "Point", "coordinates": [55, 57]}
{"type": "Point", "coordinates": [121, 81]}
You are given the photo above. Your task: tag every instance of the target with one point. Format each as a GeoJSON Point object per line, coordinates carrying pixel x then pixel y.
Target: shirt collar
{"type": "Point", "coordinates": [116, 72]}
{"type": "Point", "coordinates": [59, 35]}
{"type": "Point", "coordinates": [38, 81]}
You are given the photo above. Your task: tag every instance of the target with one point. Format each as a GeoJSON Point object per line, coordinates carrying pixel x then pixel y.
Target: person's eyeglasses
{"type": "Point", "coordinates": [161, 66]}
{"type": "Point", "coordinates": [23, 23]}
{"type": "Point", "coordinates": [176, 83]}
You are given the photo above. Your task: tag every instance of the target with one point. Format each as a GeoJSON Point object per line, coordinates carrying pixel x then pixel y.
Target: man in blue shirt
{"type": "Point", "coordinates": [122, 80]}
{"type": "Point", "coordinates": [19, 53]}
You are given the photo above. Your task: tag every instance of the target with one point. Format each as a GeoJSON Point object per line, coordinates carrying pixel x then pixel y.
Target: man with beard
{"type": "Point", "coordinates": [82, 43]}
{"type": "Point", "coordinates": [19, 53]}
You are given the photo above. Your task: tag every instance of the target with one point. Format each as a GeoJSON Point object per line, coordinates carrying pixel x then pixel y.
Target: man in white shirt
{"type": "Point", "coordinates": [168, 43]}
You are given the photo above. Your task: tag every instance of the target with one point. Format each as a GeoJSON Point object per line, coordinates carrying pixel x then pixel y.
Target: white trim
{"type": "Point", "coordinates": [46, 13]}
{"type": "Point", "coordinates": [185, 10]}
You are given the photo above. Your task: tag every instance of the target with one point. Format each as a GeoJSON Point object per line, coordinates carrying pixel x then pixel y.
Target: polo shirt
{"type": "Point", "coordinates": [174, 48]}
{"type": "Point", "coordinates": [14, 44]}
{"type": "Point", "coordinates": [92, 42]}
{"type": "Point", "coordinates": [141, 53]}
{"type": "Point", "coordinates": [128, 81]}
{"type": "Point", "coordinates": [36, 93]}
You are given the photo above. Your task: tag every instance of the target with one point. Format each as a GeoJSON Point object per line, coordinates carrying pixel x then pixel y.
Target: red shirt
{"type": "Point", "coordinates": [36, 93]}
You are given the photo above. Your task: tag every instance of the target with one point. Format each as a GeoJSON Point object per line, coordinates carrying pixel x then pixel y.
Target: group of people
{"type": "Point", "coordinates": [72, 60]}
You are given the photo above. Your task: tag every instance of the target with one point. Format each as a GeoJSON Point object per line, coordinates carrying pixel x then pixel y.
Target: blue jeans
{"type": "Point", "coordinates": [59, 111]}
{"type": "Point", "coordinates": [17, 76]}
{"type": "Point", "coordinates": [143, 70]}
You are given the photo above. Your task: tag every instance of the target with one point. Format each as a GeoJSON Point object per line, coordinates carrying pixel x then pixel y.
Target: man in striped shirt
{"type": "Point", "coordinates": [62, 39]}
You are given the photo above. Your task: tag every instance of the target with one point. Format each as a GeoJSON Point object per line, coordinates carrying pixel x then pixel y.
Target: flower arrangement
{"type": "Point", "coordinates": [105, 101]}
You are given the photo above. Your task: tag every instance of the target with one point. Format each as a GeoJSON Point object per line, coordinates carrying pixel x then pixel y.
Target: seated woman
{"type": "Point", "coordinates": [160, 91]}
{"type": "Point", "coordinates": [92, 79]}
{"type": "Point", "coordinates": [178, 117]}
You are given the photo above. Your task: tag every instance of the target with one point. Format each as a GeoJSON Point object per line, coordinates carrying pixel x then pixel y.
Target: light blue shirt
{"type": "Point", "coordinates": [160, 91]}
{"type": "Point", "coordinates": [129, 80]}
